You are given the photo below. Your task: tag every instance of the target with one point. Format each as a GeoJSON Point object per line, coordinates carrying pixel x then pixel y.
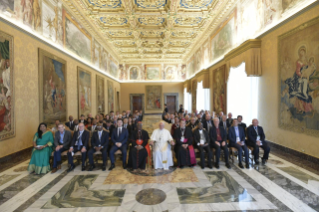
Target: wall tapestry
{"type": "Point", "coordinates": [298, 56]}
{"type": "Point", "coordinates": [84, 92]}
{"type": "Point", "coordinates": [153, 97]}
{"type": "Point", "coordinates": [100, 91]}
{"type": "Point", "coordinates": [219, 90]}
{"type": "Point", "coordinates": [110, 96]}
{"type": "Point", "coordinates": [194, 91]}
{"type": "Point", "coordinates": [7, 122]}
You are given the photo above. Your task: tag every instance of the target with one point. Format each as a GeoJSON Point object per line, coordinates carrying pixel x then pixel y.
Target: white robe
{"type": "Point", "coordinates": [162, 153]}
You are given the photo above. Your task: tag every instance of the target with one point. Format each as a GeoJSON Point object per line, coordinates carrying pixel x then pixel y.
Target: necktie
{"type": "Point", "coordinates": [100, 134]}
{"type": "Point", "coordinates": [256, 130]}
{"type": "Point", "coordinates": [224, 125]}
{"type": "Point", "coordinates": [79, 139]}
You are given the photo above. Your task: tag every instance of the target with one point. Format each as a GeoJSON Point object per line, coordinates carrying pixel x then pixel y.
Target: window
{"type": "Point", "coordinates": [242, 94]}
{"type": "Point", "coordinates": [187, 101]}
{"type": "Point", "coordinates": [203, 97]}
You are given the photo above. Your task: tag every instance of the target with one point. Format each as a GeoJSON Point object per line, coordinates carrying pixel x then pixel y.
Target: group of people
{"type": "Point", "coordinates": [112, 132]}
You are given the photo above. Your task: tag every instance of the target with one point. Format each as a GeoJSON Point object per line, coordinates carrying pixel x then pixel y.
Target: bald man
{"type": "Point", "coordinates": [256, 139]}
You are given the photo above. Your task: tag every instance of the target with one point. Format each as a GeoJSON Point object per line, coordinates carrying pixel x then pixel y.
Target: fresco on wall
{"type": "Point", "coordinates": [170, 73]}
{"type": "Point", "coordinates": [7, 121]}
{"type": "Point", "coordinates": [134, 73]}
{"type": "Point", "coordinates": [113, 69]}
{"type": "Point", "coordinates": [104, 61]}
{"type": "Point", "coordinates": [123, 72]}
{"type": "Point", "coordinates": [198, 61]}
{"type": "Point", "coordinates": [224, 38]}
{"type": "Point", "coordinates": [100, 91]}
{"type": "Point", "coordinates": [7, 5]}
{"type": "Point", "coordinates": [110, 96]}
{"type": "Point", "coordinates": [76, 39]}
{"type": "Point", "coordinates": [29, 12]}
{"type": "Point", "coordinates": [84, 92]}
{"type": "Point", "coordinates": [298, 60]}
{"type": "Point", "coordinates": [153, 72]}
{"type": "Point", "coordinates": [219, 90]}
{"type": "Point", "coordinates": [52, 80]}
{"type": "Point", "coordinates": [96, 54]}
{"type": "Point", "coordinates": [52, 21]}
{"type": "Point", "coordinates": [153, 95]}
{"type": "Point", "coordinates": [205, 54]}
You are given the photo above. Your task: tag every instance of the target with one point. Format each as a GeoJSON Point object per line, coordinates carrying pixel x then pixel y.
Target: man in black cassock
{"type": "Point", "coordinates": [183, 137]}
{"type": "Point", "coordinates": [138, 153]}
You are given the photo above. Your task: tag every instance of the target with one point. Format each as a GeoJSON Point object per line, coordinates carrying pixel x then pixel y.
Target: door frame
{"type": "Point", "coordinates": [172, 94]}
{"type": "Point", "coordinates": [131, 100]}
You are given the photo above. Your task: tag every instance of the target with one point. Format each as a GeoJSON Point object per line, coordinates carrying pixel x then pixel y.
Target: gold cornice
{"type": "Point", "coordinates": [249, 44]}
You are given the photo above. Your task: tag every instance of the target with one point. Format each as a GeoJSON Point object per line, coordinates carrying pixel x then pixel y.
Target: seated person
{"type": "Point", "coordinates": [223, 123]}
{"type": "Point", "coordinates": [236, 138]}
{"type": "Point", "coordinates": [218, 137]}
{"type": "Point", "coordinates": [192, 124]}
{"type": "Point", "coordinates": [80, 142]}
{"type": "Point", "coordinates": [76, 125]}
{"type": "Point", "coordinates": [92, 128]}
{"type": "Point", "coordinates": [138, 153]}
{"type": "Point", "coordinates": [119, 139]}
{"type": "Point", "coordinates": [56, 126]}
{"type": "Point", "coordinates": [229, 120]}
{"type": "Point", "coordinates": [62, 142]}
{"type": "Point", "coordinates": [174, 126]}
{"type": "Point", "coordinates": [202, 140]}
{"type": "Point", "coordinates": [42, 143]}
{"type": "Point", "coordinates": [70, 123]}
{"type": "Point", "coordinates": [82, 120]}
{"type": "Point", "coordinates": [241, 124]}
{"type": "Point", "coordinates": [99, 142]}
{"type": "Point", "coordinates": [184, 149]}
{"type": "Point", "coordinates": [207, 124]}
{"type": "Point", "coordinates": [256, 139]}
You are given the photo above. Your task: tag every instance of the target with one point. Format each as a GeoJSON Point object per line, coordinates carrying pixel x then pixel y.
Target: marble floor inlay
{"type": "Point", "coordinates": [298, 174]}
{"type": "Point", "coordinates": [77, 193]}
{"type": "Point", "coordinates": [224, 189]}
{"type": "Point", "coordinates": [150, 196]}
{"type": "Point", "coordinates": [153, 172]}
{"type": "Point", "coordinates": [275, 162]}
{"type": "Point", "coordinates": [308, 197]}
{"type": "Point", "coordinates": [6, 178]}
{"type": "Point", "coordinates": [21, 169]}
{"type": "Point", "coordinates": [17, 187]}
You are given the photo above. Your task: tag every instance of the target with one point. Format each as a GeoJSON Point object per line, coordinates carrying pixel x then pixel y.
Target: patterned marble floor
{"type": "Point", "coordinates": [279, 186]}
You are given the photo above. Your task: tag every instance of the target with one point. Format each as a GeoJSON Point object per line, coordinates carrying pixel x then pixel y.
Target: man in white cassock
{"type": "Point", "coordinates": [161, 140]}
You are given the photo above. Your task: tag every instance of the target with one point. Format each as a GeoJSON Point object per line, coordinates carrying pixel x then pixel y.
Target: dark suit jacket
{"type": "Point", "coordinates": [84, 122]}
{"type": "Point", "coordinates": [243, 125]}
{"type": "Point", "coordinates": [197, 136]}
{"type": "Point", "coordinates": [221, 124]}
{"type": "Point", "coordinates": [252, 135]}
{"type": "Point", "coordinates": [120, 139]}
{"type": "Point", "coordinates": [213, 134]}
{"type": "Point", "coordinates": [95, 141]}
{"type": "Point", "coordinates": [229, 122]}
{"type": "Point", "coordinates": [187, 135]}
{"type": "Point", "coordinates": [85, 139]}
{"type": "Point", "coordinates": [67, 138]}
{"type": "Point", "coordinates": [205, 124]}
{"type": "Point", "coordinates": [145, 137]}
{"type": "Point", "coordinates": [68, 124]}
{"type": "Point", "coordinates": [131, 128]}
{"type": "Point", "coordinates": [90, 128]}
{"type": "Point", "coordinates": [232, 134]}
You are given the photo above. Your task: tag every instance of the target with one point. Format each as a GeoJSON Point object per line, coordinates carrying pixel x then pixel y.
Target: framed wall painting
{"type": "Point", "coordinates": [7, 120]}
{"type": "Point", "coordinates": [153, 95]}
{"type": "Point", "coordinates": [84, 92]}
{"type": "Point", "coordinates": [219, 89]}
{"type": "Point", "coordinates": [100, 94]}
{"type": "Point", "coordinates": [53, 88]}
{"type": "Point", "coordinates": [110, 96]}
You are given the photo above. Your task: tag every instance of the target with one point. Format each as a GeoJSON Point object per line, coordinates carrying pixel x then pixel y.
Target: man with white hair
{"type": "Point", "coordinates": [256, 139]}
{"type": "Point", "coordinates": [161, 140]}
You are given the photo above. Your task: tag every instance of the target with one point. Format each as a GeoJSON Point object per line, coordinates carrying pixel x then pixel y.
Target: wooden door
{"type": "Point", "coordinates": [171, 103]}
{"type": "Point", "coordinates": [137, 103]}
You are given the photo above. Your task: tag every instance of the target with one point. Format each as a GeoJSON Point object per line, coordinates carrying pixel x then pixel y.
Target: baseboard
{"type": "Point", "coordinates": [17, 156]}
{"type": "Point", "coordinates": [296, 153]}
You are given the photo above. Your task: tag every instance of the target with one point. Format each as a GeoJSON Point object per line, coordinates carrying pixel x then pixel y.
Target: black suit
{"type": "Point", "coordinates": [221, 124]}
{"type": "Point", "coordinates": [205, 147]}
{"type": "Point", "coordinates": [205, 125]}
{"type": "Point", "coordinates": [70, 125]}
{"type": "Point", "coordinates": [119, 138]}
{"type": "Point", "coordinates": [96, 141]}
{"type": "Point", "coordinates": [92, 129]}
{"type": "Point", "coordinates": [183, 156]}
{"type": "Point", "coordinates": [67, 137]}
{"type": "Point", "coordinates": [233, 143]}
{"type": "Point", "coordinates": [243, 125]}
{"type": "Point", "coordinates": [252, 137]}
{"type": "Point", "coordinates": [213, 138]}
{"type": "Point", "coordinates": [85, 144]}
{"type": "Point", "coordinates": [229, 122]}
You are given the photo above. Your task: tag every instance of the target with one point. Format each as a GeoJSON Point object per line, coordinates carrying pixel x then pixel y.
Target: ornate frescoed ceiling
{"type": "Point", "coordinates": [142, 30]}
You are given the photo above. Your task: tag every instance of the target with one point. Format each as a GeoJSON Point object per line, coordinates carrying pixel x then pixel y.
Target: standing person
{"type": "Point", "coordinates": [42, 149]}
{"type": "Point", "coordinates": [62, 142]}
{"type": "Point", "coordinates": [202, 140]}
{"type": "Point", "coordinates": [161, 140]}
{"type": "Point", "coordinates": [139, 151]}
{"type": "Point", "coordinates": [119, 138]}
{"type": "Point", "coordinates": [100, 142]}
{"type": "Point", "coordinates": [80, 143]}
{"type": "Point", "coordinates": [181, 109]}
{"type": "Point", "coordinates": [236, 138]}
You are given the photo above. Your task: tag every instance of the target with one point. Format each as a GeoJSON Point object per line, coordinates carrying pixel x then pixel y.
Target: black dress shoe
{"type": "Point", "coordinates": [72, 167]}
{"type": "Point", "coordinates": [92, 167]}
{"type": "Point", "coordinates": [217, 166]}
{"type": "Point", "coordinates": [202, 167]}
{"type": "Point", "coordinates": [124, 166]}
{"type": "Point", "coordinates": [112, 167]}
{"type": "Point", "coordinates": [181, 167]}
{"type": "Point", "coordinates": [263, 162]}
{"type": "Point", "coordinates": [247, 166]}
{"type": "Point", "coordinates": [83, 168]}
{"type": "Point", "coordinates": [241, 165]}
{"type": "Point", "coordinates": [211, 167]}
{"type": "Point", "coordinates": [103, 168]}
{"type": "Point", "coordinates": [228, 166]}
{"type": "Point", "coordinates": [257, 162]}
